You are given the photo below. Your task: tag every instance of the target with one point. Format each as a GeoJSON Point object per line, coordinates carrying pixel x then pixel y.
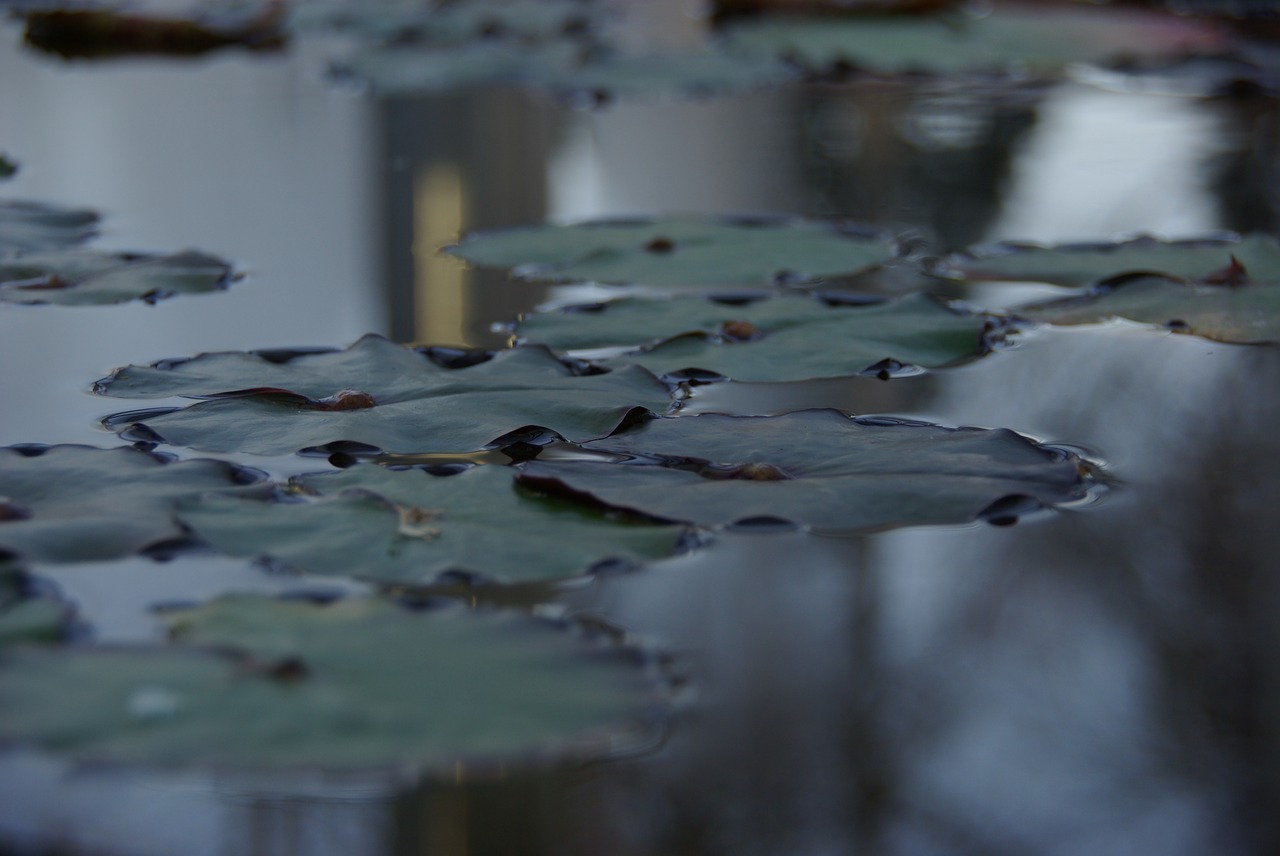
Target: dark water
{"type": "Point", "coordinates": [1101, 680]}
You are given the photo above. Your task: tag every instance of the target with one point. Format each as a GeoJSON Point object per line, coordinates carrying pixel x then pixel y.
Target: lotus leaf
{"type": "Point", "coordinates": [407, 527]}
{"type": "Point", "coordinates": [682, 251]}
{"type": "Point", "coordinates": [91, 279]}
{"type": "Point", "coordinates": [81, 504]}
{"type": "Point", "coordinates": [821, 469]}
{"type": "Point", "coordinates": [1040, 40]}
{"type": "Point", "coordinates": [358, 684]}
{"type": "Point", "coordinates": [1247, 314]}
{"type": "Point", "coordinates": [786, 338]}
{"type": "Point", "coordinates": [1086, 264]}
{"type": "Point", "coordinates": [29, 227]}
{"type": "Point", "coordinates": [382, 395]}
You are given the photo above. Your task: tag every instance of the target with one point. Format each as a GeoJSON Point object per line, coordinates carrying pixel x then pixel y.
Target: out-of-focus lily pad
{"type": "Point", "coordinates": [359, 684]}
{"type": "Point", "coordinates": [1085, 264]}
{"type": "Point", "coordinates": [821, 469]}
{"type": "Point", "coordinates": [382, 395]}
{"type": "Point", "coordinates": [407, 527]}
{"type": "Point", "coordinates": [1245, 314]}
{"type": "Point", "coordinates": [1028, 39]}
{"type": "Point", "coordinates": [29, 227]}
{"type": "Point", "coordinates": [98, 33]}
{"type": "Point", "coordinates": [94, 279]}
{"type": "Point", "coordinates": [409, 69]}
{"type": "Point", "coordinates": [7, 167]}
{"type": "Point", "coordinates": [81, 504]}
{"type": "Point", "coordinates": [604, 75]}
{"type": "Point", "coordinates": [682, 251]}
{"type": "Point", "coordinates": [786, 338]}
{"type": "Point", "coordinates": [27, 616]}
{"type": "Point", "coordinates": [456, 22]}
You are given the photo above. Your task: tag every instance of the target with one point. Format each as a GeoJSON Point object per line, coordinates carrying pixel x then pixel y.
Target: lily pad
{"type": "Point", "coordinates": [1086, 264]}
{"type": "Point", "coordinates": [408, 527]}
{"type": "Point", "coordinates": [789, 337]}
{"type": "Point", "coordinates": [7, 167]}
{"type": "Point", "coordinates": [604, 75]}
{"type": "Point", "coordinates": [28, 616]}
{"type": "Point", "coordinates": [455, 22]}
{"type": "Point", "coordinates": [822, 469]}
{"type": "Point", "coordinates": [30, 227]}
{"type": "Point", "coordinates": [1246, 314]}
{"type": "Point", "coordinates": [361, 684]}
{"type": "Point", "coordinates": [1011, 39]}
{"type": "Point", "coordinates": [410, 69]}
{"type": "Point", "coordinates": [100, 33]}
{"type": "Point", "coordinates": [94, 279]}
{"type": "Point", "coordinates": [81, 504]}
{"type": "Point", "coordinates": [381, 395]}
{"type": "Point", "coordinates": [682, 251]}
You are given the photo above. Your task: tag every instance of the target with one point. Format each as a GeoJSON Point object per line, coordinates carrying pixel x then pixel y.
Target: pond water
{"type": "Point", "coordinates": [1102, 679]}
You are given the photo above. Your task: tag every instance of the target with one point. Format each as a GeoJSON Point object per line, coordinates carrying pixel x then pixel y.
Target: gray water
{"type": "Point", "coordinates": [1100, 680]}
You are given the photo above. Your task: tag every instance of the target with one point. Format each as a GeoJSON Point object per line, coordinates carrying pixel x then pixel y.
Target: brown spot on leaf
{"type": "Point", "coordinates": [415, 522]}
{"type": "Point", "coordinates": [1233, 275]}
{"type": "Point", "coordinates": [738, 330]}
{"type": "Point", "coordinates": [661, 245]}
{"type": "Point", "coordinates": [750, 471]}
{"type": "Point", "coordinates": [10, 510]}
{"type": "Point", "coordinates": [344, 399]}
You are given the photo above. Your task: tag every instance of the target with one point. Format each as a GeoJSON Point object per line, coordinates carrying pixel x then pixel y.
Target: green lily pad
{"type": "Point", "coordinates": [609, 74]}
{"type": "Point", "coordinates": [382, 395]}
{"type": "Point", "coordinates": [1247, 314]}
{"type": "Point", "coordinates": [408, 527]}
{"type": "Point", "coordinates": [93, 279]}
{"type": "Point", "coordinates": [455, 22]}
{"type": "Point", "coordinates": [27, 616]}
{"type": "Point", "coordinates": [361, 684]}
{"type": "Point", "coordinates": [822, 469]}
{"type": "Point", "coordinates": [30, 227]}
{"type": "Point", "coordinates": [81, 504]}
{"type": "Point", "coordinates": [682, 251]}
{"type": "Point", "coordinates": [101, 33]}
{"type": "Point", "coordinates": [411, 69]}
{"type": "Point", "coordinates": [1086, 264]}
{"type": "Point", "coordinates": [1011, 39]}
{"type": "Point", "coordinates": [789, 337]}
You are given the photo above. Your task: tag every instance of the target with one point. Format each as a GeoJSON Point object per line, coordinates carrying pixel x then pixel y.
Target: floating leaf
{"type": "Point", "coordinates": [7, 167]}
{"type": "Point", "coordinates": [410, 69]}
{"type": "Point", "coordinates": [1248, 314]}
{"type": "Point", "coordinates": [408, 527]}
{"type": "Point", "coordinates": [29, 227]}
{"type": "Point", "coordinates": [275, 408]}
{"type": "Point", "coordinates": [682, 251]}
{"type": "Point", "coordinates": [785, 338]}
{"type": "Point", "coordinates": [455, 22]}
{"type": "Point", "coordinates": [607, 74]}
{"type": "Point", "coordinates": [1039, 40]}
{"type": "Point", "coordinates": [103, 33]}
{"type": "Point", "coordinates": [93, 279]}
{"type": "Point", "coordinates": [81, 504]}
{"type": "Point", "coordinates": [822, 469]}
{"type": "Point", "coordinates": [358, 684]}
{"type": "Point", "coordinates": [28, 616]}
{"type": "Point", "coordinates": [1085, 264]}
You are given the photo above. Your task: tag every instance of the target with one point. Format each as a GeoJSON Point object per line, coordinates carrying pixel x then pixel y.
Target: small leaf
{"type": "Point", "coordinates": [30, 227]}
{"type": "Point", "coordinates": [90, 279]}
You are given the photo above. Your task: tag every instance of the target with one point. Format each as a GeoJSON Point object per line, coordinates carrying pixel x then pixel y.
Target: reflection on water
{"type": "Point", "coordinates": [1099, 680]}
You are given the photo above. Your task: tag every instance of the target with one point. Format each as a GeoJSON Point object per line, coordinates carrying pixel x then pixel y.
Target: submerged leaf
{"type": "Point", "coordinates": [408, 527]}
{"type": "Point", "coordinates": [682, 251]}
{"type": "Point", "coordinates": [1011, 39]}
{"type": "Point", "coordinates": [81, 504]}
{"type": "Point", "coordinates": [271, 407]}
{"type": "Point", "coordinates": [785, 338]}
{"type": "Point", "coordinates": [359, 684]}
{"type": "Point", "coordinates": [30, 227]}
{"type": "Point", "coordinates": [91, 279]}
{"type": "Point", "coordinates": [1086, 264]}
{"type": "Point", "coordinates": [822, 469]}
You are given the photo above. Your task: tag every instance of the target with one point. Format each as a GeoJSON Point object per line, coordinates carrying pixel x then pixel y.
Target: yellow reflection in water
{"type": "Point", "coordinates": [439, 212]}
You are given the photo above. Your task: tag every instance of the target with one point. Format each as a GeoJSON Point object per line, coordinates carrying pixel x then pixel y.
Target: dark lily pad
{"type": "Point", "coordinates": [408, 527]}
{"type": "Point", "coordinates": [359, 684]}
{"type": "Point", "coordinates": [822, 469]}
{"type": "Point", "coordinates": [1245, 314]}
{"type": "Point", "coordinates": [1011, 39]}
{"type": "Point", "coordinates": [682, 251]}
{"type": "Point", "coordinates": [28, 616]}
{"type": "Point", "coordinates": [7, 167]}
{"type": "Point", "coordinates": [30, 227]}
{"type": "Point", "coordinates": [1086, 264]}
{"type": "Point", "coordinates": [412, 68]}
{"type": "Point", "coordinates": [786, 338]}
{"type": "Point", "coordinates": [382, 395]}
{"type": "Point", "coordinates": [81, 504]}
{"type": "Point", "coordinates": [93, 279]}
{"type": "Point", "coordinates": [100, 33]}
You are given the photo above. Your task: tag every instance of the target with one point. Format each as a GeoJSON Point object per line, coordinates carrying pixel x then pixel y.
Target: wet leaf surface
{"type": "Point", "coordinates": [408, 527]}
{"type": "Point", "coordinates": [274, 408]}
{"type": "Point", "coordinates": [30, 227]}
{"type": "Point", "coordinates": [822, 469]}
{"type": "Point", "coordinates": [1011, 39]}
{"type": "Point", "coordinates": [1086, 264]}
{"type": "Point", "coordinates": [1246, 314]}
{"type": "Point", "coordinates": [358, 684]}
{"type": "Point", "coordinates": [682, 251]}
{"type": "Point", "coordinates": [84, 278]}
{"type": "Point", "coordinates": [781, 339]}
{"type": "Point", "coordinates": [80, 504]}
